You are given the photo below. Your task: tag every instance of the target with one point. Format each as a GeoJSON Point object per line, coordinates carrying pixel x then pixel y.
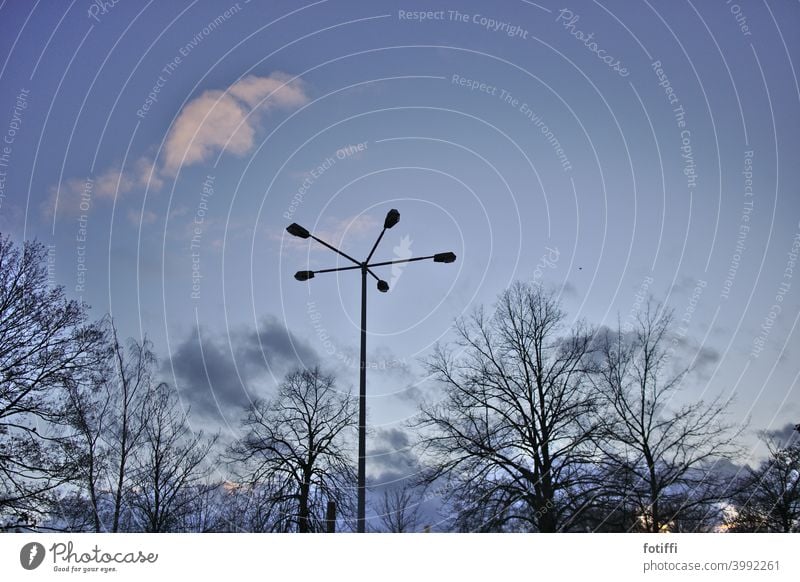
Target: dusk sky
{"type": "Point", "coordinates": [608, 150]}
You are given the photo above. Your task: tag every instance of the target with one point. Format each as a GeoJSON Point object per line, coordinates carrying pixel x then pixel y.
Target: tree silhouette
{"type": "Point", "coordinates": [46, 345]}
{"type": "Point", "coordinates": [512, 436]}
{"type": "Point", "coordinates": [170, 465]}
{"type": "Point", "coordinates": [108, 417]}
{"type": "Point", "coordinates": [293, 449]}
{"type": "Point", "coordinates": [657, 457]}
{"type": "Point", "coordinates": [768, 497]}
{"type": "Point", "coordinates": [398, 510]}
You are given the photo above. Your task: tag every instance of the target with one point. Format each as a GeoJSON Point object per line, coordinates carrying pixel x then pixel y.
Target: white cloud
{"type": "Point", "coordinates": [112, 183]}
{"type": "Point", "coordinates": [207, 124]}
{"type": "Point", "coordinates": [211, 122]}
{"type": "Point", "coordinates": [137, 218]}
{"type": "Point", "coordinates": [115, 182]}
{"type": "Point", "coordinates": [218, 120]}
{"type": "Point", "coordinates": [146, 174]}
{"type": "Point", "coordinates": [273, 91]}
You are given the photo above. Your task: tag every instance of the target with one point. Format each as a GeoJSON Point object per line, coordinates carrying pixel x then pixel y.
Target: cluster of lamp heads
{"type": "Point", "coordinates": [392, 218]}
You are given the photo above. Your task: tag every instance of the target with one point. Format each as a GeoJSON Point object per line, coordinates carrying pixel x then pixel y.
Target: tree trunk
{"type": "Point", "coordinates": [303, 507]}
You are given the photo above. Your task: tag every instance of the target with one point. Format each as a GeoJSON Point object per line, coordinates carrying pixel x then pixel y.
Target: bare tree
{"type": "Point", "coordinates": [129, 386]}
{"type": "Point", "coordinates": [169, 467]}
{"type": "Point", "coordinates": [658, 457]}
{"type": "Point", "coordinates": [208, 509]}
{"type": "Point", "coordinates": [768, 498]}
{"type": "Point", "coordinates": [512, 437]}
{"type": "Point", "coordinates": [294, 449]}
{"type": "Point", "coordinates": [107, 416]}
{"type": "Point", "coordinates": [46, 343]}
{"type": "Point", "coordinates": [398, 510]}
{"type": "Point", "coordinates": [87, 414]}
{"type": "Point", "coordinates": [254, 508]}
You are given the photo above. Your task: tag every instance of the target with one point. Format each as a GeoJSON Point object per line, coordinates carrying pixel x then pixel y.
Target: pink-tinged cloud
{"type": "Point", "coordinates": [138, 218]}
{"type": "Point", "coordinates": [275, 91]}
{"type": "Point", "coordinates": [78, 196]}
{"type": "Point", "coordinates": [214, 121]}
{"type": "Point", "coordinates": [115, 182]}
{"type": "Point", "coordinates": [226, 120]}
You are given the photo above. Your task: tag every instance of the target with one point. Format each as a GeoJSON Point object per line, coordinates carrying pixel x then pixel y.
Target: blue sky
{"type": "Point", "coordinates": [603, 148]}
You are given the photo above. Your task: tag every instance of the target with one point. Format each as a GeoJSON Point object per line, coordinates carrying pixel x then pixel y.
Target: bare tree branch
{"type": "Point", "coordinates": [294, 448]}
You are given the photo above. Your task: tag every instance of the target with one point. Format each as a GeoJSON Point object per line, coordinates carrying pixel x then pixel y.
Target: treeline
{"type": "Point", "coordinates": [537, 426]}
{"type": "Point", "coordinates": [549, 427]}
{"type": "Point", "coordinates": [91, 440]}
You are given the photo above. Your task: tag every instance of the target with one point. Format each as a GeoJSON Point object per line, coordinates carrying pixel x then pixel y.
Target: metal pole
{"type": "Point", "coordinates": [391, 219]}
{"type": "Point", "coordinates": [362, 407]}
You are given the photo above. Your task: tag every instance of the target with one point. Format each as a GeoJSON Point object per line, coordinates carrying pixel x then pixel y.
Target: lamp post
{"type": "Point", "coordinates": [392, 218]}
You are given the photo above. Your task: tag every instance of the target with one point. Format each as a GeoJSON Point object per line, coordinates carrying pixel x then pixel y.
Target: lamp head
{"type": "Point", "coordinates": [444, 258]}
{"type": "Point", "coordinates": [392, 218]}
{"type": "Point", "coordinates": [383, 286]}
{"type": "Point", "coordinates": [304, 275]}
{"type": "Point", "coordinates": [296, 230]}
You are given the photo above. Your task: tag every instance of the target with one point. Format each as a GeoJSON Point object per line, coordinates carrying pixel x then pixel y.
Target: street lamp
{"type": "Point", "coordinates": [392, 218]}
{"type": "Point", "coordinates": [296, 230]}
